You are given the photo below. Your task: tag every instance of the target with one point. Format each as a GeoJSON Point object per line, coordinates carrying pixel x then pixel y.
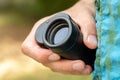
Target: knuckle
{"type": "Point", "coordinates": [55, 69]}
{"type": "Point", "coordinates": [41, 60]}
{"type": "Point", "coordinates": [25, 47]}
{"type": "Point", "coordinates": [52, 68]}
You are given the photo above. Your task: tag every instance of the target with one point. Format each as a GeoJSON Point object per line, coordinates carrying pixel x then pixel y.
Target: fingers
{"type": "Point", "coordinates": [33, 50]}
{"type": "Point", "coordinates": [76, 67]}
{"type": "Point", "coordinates": [52, 60]}
{"type": "Point", "coordinates": [41, 55]}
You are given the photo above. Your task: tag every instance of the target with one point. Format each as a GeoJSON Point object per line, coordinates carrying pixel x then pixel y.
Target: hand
{"type": "Point", "coordinates": [83, 14]}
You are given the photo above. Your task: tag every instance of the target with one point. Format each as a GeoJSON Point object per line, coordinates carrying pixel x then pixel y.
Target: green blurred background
{"type": "Point", "coordinates": [16, 20]}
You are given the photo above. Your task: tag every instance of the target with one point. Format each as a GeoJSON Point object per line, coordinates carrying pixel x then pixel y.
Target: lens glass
{"type": "Point", "coordinates": [60, 35]}
{"type": "Point", "coordinates": [57, 32]}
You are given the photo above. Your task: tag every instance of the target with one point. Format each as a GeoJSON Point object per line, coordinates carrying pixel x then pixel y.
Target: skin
{"type": "Point", "coordinates": [83, 13]}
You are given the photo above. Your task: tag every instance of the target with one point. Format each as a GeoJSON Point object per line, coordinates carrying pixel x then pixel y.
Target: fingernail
{"type": "Point", "coordinates": [87, 70]}
{"type": "Point", "coordinates": [92, 39]}
{"type": "Point", "coordinates": [53, 57]}
{"type": "Point", "coordinates": [78, 67]}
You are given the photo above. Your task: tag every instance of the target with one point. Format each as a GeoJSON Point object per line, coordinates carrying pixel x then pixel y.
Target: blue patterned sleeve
{"type": "Point", "coordinates": [107, 63]}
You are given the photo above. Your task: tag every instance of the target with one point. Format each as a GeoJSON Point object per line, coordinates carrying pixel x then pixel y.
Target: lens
{"type": "Point", "coordinates": [60, 35]}
{"type": "Point", "coordinates": [57, 32]}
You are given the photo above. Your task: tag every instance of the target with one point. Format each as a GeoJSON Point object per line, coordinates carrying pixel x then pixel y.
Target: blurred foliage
{"type": "Point", "coordinates": [35, 8]}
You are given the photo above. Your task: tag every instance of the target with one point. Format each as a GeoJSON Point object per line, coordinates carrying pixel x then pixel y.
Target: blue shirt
{"type": "Point", "coordinates": [107, 63]}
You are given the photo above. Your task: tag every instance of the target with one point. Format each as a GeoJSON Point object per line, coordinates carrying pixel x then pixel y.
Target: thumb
{"type": "Point", "coordinates": [88, 29]}
{"type": "Point", "coordinates": [87, 26]}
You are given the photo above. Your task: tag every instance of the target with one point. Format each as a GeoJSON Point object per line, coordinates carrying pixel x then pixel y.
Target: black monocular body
{"type": "Point", "coordinates": [63, 36]}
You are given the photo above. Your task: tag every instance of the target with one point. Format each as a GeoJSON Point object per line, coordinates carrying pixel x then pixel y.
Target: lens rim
{"type": "Point", "coordinates": [52, 26]}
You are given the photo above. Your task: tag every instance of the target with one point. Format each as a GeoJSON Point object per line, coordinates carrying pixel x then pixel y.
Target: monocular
{"type": "Point", "coordinates": [64, 37]}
